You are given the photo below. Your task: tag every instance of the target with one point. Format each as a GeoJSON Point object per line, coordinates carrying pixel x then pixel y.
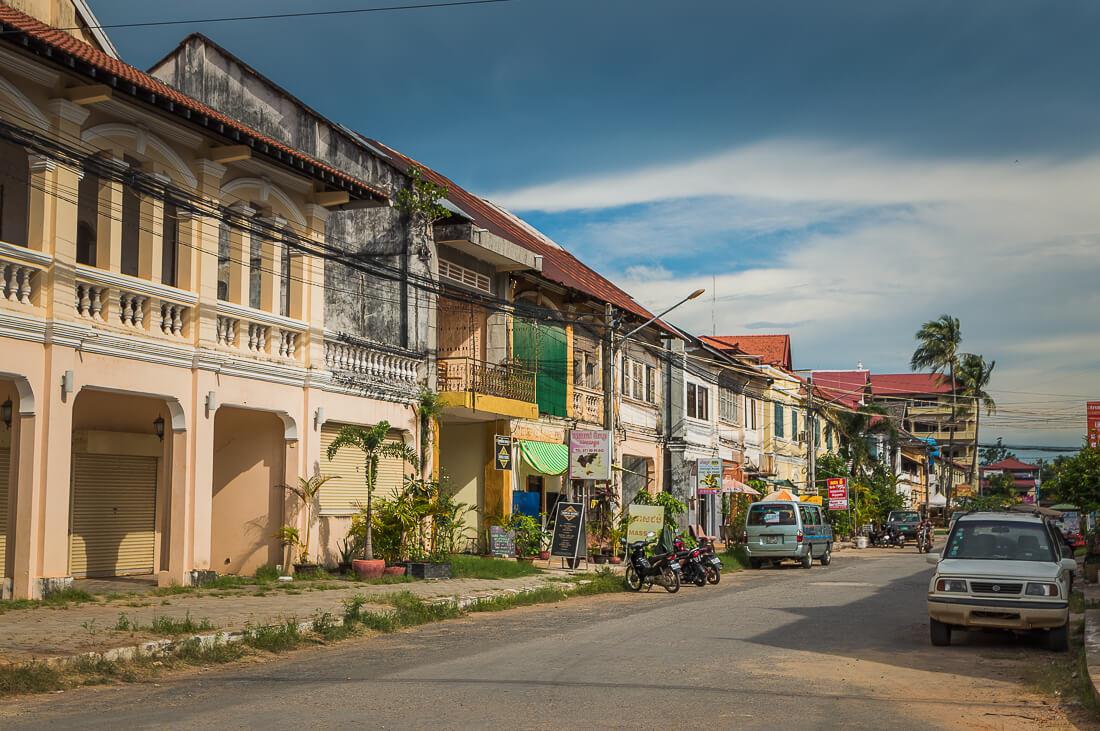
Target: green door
{"type": "Point", "coordinates": [541, 348]}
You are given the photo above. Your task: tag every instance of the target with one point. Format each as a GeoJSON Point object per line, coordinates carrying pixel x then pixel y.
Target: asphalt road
{"type": "Point", "coordinates": [843, 646]}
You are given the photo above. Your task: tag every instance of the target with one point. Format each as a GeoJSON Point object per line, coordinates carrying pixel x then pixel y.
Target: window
{"type": "Point", "coordinates": [169, 245]}
{"type": "Point", "coordinates": [223, 262]}
{"type": "Point", "coordinates": [817, 432]}
{"type": "Point", "coordinates": [779, 421]}
{"type": "Point", "coordinates": [131, 225]}
{"type": "Point", "coordinates": [651, 384]}
{"type": "Point", "coordinates": [727, 405]}
{"type": "Point", "coordinates": [750, 413]}
{"type": "Point", "coordinates": [255, 270]}
{"type": "Point", "coordinates": [990, 540]}
{"type": "Point", "coordinates": [639, 381]}
{"type": "Point", "coordinates": [772, 514]}
{"type": "Point", "coordinates": [87, 212]}
{"type": "Point", "coordinates": [794, 424]}
{"type": "Point", "coordinates": [14, 193]}
{"type": "Point", "coordinates": [462, 275]}
{"type": "Point", "coordinates": [698, 401]}
{"type": "Point", "coordinates": [284, 281]}
{"type": "Point", "coordinates": [829, 437]}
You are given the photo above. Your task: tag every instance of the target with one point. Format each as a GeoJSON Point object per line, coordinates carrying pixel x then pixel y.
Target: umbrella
{"type": "Point", "coordinates": [729, 484]}
{"type": "Point", "coordinates": [778, 495]}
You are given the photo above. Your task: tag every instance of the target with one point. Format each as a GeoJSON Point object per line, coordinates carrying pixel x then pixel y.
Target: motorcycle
{"type": "Point", "coordinates": [924, 538]}
{"type": "Point", "coordinates": [663, 568]}
{"type": "Point", "coordinates": [888, 537]}
{"type": "Point", "coordinates": [691, 562]}
{"type": "Point", "coordinates": [711, 563]}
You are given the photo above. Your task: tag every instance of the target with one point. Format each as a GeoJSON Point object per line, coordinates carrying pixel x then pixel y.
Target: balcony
{"type": "Point", "coordinates": [469, 385]}
{"type": "Point", "coordinates": [136, 306]}
{"type": "Point", "coordinates": [357, 362]}
{"type": "Point", "coordinates": [588, 405]}
{"type": "Point", "coordinates": [22, 276]}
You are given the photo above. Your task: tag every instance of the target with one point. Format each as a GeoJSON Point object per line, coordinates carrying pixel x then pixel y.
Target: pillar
{"type": "Point", "coordinates": [151, 232]}
{"type": "Point", "coordinates": [56, 454]}
{"type": "Point", "coordinates": [200, 270]}
{"type": "Point", "coordinates": [25, 540]}
{"type": "Point", "coordinates": [311, 291]}
{"type": "Point", "coordinates": [179, 514]}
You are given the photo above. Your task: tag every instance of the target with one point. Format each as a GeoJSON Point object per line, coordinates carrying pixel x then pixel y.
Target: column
{"type": "Point", "coordinates": [56, 409]}
{"type": "Point", "coordinates": [200, 270]}
{"type": "Point", "coordinates": [26, 487]}
{"type": "Point", "coordinates": [151, 232]}
{"type": "Point", "coordinates": [179, 515]}
{"type": "Point", "coordinates": [311, 291]}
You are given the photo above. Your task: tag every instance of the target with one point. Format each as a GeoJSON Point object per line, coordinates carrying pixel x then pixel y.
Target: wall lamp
{"type": "Point", "coordinates": [211, 403]}
{"type": "Point", "coordinates": [158, 427]}
{"type": "Point", "coordinates": [318, 417]}
{"type": "Point", "coordinates": [5, 413]}
{"type": "Point", "coordinates": [66, 384]}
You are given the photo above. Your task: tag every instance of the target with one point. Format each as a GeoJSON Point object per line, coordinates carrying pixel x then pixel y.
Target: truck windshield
{"type": "Point", "coordinates": [771, 514]}
{"type": "Point", "coordinates": [1003, 541]}
{"type": "Point", "coordinates": [904, 516]}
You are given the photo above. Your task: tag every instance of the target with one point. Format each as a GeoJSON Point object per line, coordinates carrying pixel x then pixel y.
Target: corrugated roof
{"type": "Point", "coordinates": [56, 40]}
{"type": "Point", "coordinates": [772, 349]}
{"type": "Point", "coordinates": [895, 384]}
{"type": "Point", "coordinates": [1009, 464]}
{"type": "Point", "coordinates": [558, 264]}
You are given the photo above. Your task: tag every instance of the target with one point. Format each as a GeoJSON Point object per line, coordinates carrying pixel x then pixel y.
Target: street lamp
{"type": "Point", "coordinates": [158, 427]}
{"type": "Point", "coordinates": [5, 413]}
{"type": "Point", "coordinates": [615, 346]}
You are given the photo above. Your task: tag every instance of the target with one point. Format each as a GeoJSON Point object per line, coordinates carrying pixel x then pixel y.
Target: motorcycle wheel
{"type": "Point", "coordinates": [714, 575]}
{"type": "Point", "coordinates": [671, 581]}
{"type": "Point", "coordinates": [633, 581]}
{"type": "Point", "coordinates": [699, 577]}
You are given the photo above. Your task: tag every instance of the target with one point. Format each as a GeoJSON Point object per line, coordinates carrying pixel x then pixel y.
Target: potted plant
{"type": "Point", "coordinates": [307, 491]}
{"type": "Point", "coordinates": [528, 536]}
{"type": "Point", "coordinates": [347, 554]}
{"type": "Point", "coordinates": [372, 442]}
{"type": "Point", "coordinates": [596, 554]}
{"type": "Point", "coordinates": [545, 538]}
{"type": "Point", "coordinates": [291, 540]}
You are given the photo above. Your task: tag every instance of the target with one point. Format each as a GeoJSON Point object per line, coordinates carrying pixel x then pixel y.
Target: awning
{"type": "Point", "coordinates": [814, 499]}
{"type": "Point", "coordinates": [545, 457]}
{"type": "Point", "coordinates": [732, 485]}
{"type": "Point", "coordinates": [937, 500]}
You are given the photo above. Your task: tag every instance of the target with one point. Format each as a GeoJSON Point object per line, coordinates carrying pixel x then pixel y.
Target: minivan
{"type": "Point", "coordinates": [787, 529]}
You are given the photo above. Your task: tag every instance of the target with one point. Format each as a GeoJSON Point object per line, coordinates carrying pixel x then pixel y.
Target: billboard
{"type": "Point", "coordinates": [708, 475]}
{"type": "Point", "coordinates": [838, 493]}
{"type": "Point", "coordinates": [590, 454]}
{"type": "Point", "coordinates": [1092, 429]}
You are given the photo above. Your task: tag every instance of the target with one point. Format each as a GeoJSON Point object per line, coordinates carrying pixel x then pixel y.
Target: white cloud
{"type": "Point", "coordinates": [1012, 248]}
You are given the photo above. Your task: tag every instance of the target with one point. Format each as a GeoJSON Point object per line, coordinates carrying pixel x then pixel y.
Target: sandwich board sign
{"type": "Point", "coordinates": [502, 452]}
{"type": "Point", "coordinates": [501, 542]}
{"type": "Point", "coordinates": [569, 531]}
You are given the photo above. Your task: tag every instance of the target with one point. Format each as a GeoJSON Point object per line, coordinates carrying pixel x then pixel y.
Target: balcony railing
{"type": "Point", "coordinates": [259, 333]}
{"type": "Point", "coordinates": [353, 359]}
{"type": "Point", "coordinates": [458, 375]}
{"type": "Point", "coordinates": [22, 271]}
{"type": "Point", "coordinates": [129, 303]}
{"type": "Point", "coordinates": [588, 405]}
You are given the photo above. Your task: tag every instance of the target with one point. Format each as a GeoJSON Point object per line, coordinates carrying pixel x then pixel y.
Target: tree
{"type": "Point", "coordinates": [974, 374]}
{"type": "Point", "coordinates": [1077, 479]}
{"type": "Point", "coordinates": [938, 350]}
{"type": "Point", "coordinates": [999, 452]}
{"type": "Point", "coordinates": [307, 491]}
{"type": "Point", "coordinates": [372, 442]}
{"type": "Point", "coordinates": [856, 429]}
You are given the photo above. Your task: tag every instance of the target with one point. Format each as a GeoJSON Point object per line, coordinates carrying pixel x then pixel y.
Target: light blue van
{"type": "Point", "coordinates": [787, 529]}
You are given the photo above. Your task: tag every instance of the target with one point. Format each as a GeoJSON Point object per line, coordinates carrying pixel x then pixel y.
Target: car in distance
{"type": "Point", "coordinates": [787, 529]}
{"type": "Point", "coordinates": [905, 521]}
{"type": "Point", "coordinates": [1001, 570]}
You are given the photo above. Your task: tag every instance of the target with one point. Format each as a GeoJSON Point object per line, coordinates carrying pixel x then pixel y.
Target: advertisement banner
{"type": "Point", "coordinates": [838, 493]}
{"type": "Point", "coordinates": [589, 454]}
{"type": "Point", "coordinates": [708, 475]}
{"type": "Point", "coordinates": [1092, 413]}
{"type": "Point", "coordinates": [644, 518]}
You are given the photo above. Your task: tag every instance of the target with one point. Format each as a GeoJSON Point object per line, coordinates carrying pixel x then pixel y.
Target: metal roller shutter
{"type": "Point", "coordinates": [113, 515]}
{"type": "Point", "coordinates": [343, 495]}
{"type": "Point", "coordinates": [5, 463]}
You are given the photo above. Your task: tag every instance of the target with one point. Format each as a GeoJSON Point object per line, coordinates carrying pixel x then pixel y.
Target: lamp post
{"type": "Point", "coordinates": [615, 347]}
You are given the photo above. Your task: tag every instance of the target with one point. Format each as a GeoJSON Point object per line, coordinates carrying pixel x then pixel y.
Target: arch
{"type": "Point", "coordinates": [20, 100]}
{"type": "Point", "coordinates": [175, 409]}
{"type": "Point", "coordinates": [539, 299]}
{"type": "Point", "coordinates": [263, 192]}
{"type": "Point", "coordinates": [143, 141]}
{"type": "Point", "coordinates": [290, 426]}
{"type": "Point", "coordinates": [26, 393]}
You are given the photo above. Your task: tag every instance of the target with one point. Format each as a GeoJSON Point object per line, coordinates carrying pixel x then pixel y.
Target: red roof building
{"type": "Point", "coordinates": [1025, 475]}
{"type": "Point", "coordinates": [771, 349]}
{"type": "Point", "coordinates": [907, 384]}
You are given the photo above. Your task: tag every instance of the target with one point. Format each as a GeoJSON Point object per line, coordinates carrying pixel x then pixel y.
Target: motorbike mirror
{"type": "Point", "coordinates": [650, 534]}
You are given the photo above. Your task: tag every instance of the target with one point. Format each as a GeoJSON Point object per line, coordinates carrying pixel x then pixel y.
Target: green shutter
{"type": "Point", "coordinates": [779, 421]}
{"type": "Point", "coordinates": [541, 348]}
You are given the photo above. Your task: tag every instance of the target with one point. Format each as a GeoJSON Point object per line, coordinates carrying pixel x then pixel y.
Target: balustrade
{"type": "Point", "coordinates": [503, 380]}
{"type": "Point", "coordinates": [361, 359]}
{"type": "Point", "coordinates": [22, 272]}
{"type": "Point", "coordinates": [588, 405]}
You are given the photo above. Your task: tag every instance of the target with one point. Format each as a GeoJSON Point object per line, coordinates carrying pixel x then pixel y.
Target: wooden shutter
{"type": "Point", "coordinates": [113, 515]}
{"type": "Point", "coordinates": [343, 496]}
{"type": "Point", "coordinates": [5, 463]}
{"type": "Point", "coordinates": [541, 347]}
{"type": "Point", "coordinates": [461, 328]}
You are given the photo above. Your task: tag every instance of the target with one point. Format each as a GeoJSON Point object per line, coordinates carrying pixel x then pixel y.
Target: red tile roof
{"type": "Point", "coordinates": [900, 384]}
{"type": "Point", "coordinates": [558, 265]}
{"type": "Point", "coordinates": [54, 40]}
{"type": "Point", "coordinates": [1009, 464]}
{"type": "Point", "coordinates": [772, 349]}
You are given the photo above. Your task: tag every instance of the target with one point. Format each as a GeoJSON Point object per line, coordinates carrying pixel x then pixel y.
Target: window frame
{"type": "Point", "coordinates": [697, 401]}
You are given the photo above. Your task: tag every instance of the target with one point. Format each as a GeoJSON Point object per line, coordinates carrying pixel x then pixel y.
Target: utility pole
{"type": "Point", "coordinates": [609, 315]}
{"type": "Point", "coordinates": [811, 446]}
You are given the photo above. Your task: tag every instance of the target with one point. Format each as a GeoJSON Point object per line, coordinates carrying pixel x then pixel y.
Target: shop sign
{"type": "Point", "coordinates": [1092, 411]}
{"type": "Point", "coordinates": [502, 452]}
{"type": "Point", "coordinates": [590, 454]}
{"type": "Point", "coordinates": [708, 475]}
{"type": "Point", "coordinates": [838, 493]}
{"type": "Point", "coordinates": [643, 519]}
{"type": "Point", "coordinates": [568, 538]}
{"type": "Point", "coordinates": [501, 542]}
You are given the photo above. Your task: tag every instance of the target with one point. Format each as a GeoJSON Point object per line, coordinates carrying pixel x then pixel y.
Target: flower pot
{"type": "Point", "coordinates": [393, 571]}
{"type": "Point", "coordinates": [544, 555]}
{"type": "Point", "coordinates": [615, 560]}
{"type": "Point", "coordinates": [368, 569]}
{"type": "Point", "coordinates": [425, 570]}
{"type": "Point", "coordinates": [1091, 571]}
{"type": "Point", "coordinates": [344, 567]}
{"type": "Point", "coordinates": [306, 568]}
{"type": "Point", "coordinates": [600, 558]}
{"type": "Point", "coordinates": [525, 559]}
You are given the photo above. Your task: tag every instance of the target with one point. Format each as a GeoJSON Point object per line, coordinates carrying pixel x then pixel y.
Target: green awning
{"type": "Point", "coordinates": [544, 457]}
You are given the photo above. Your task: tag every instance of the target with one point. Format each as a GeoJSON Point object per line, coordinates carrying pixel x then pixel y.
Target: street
{"type": "Point", "coordinates": [840, 646]}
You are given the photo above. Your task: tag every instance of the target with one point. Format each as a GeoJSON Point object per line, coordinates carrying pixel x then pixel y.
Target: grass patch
{"type": "Point", "coordinates": [274, 638]}
{"type": "Point", "coordinates": [56, 599]}
{"type": "Point", "coordinates": [1077, 602]}
{"type": "Point", "coordinates": [464, 566]}
{"type": "Point", "coordinates": [734, 558]}
{"type": "Point", "coordinates": [164, 625]}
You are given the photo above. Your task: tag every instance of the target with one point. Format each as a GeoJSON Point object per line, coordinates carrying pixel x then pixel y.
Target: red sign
{"type": "Point", "coordinates": [1092, 428]}
{"type": "Point", "coordinates": [838, 493]}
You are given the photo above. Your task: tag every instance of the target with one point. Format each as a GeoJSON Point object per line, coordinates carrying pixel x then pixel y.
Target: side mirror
{"type": "Point", "coordinates": [1068, 564]}
{"type": "Point", "coordinates": [932, 558]}
{"type": "Point", "coordinates": [650, 534]}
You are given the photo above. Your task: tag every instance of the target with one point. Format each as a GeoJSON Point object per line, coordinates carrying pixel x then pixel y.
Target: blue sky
{"type": "Point", "coordinates": [842, 171]}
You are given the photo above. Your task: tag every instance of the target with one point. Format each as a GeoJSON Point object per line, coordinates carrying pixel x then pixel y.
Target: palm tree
{"type": "Point", "coordinates": [372, 442]}
{"type": "Point", "coordinates": [855, 429]}
{"type": "Point", "coordinates": [307, 491]}
{"type": "Point", "coordinates": [938, 350]}
{"type": "Point", "coordinates": [974, 374]}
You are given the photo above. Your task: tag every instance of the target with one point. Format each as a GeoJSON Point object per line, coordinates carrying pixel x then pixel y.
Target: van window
{"type": "Point", "coordinates": [807, 514]}
{"type": "Point", "coordinates": [763, 514]}
{"type": "Point", "coordinates": [819, 517]}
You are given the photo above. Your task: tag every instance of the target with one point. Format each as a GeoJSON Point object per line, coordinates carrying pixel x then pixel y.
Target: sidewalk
{"type": "Point", "coordinates": [47, 632]}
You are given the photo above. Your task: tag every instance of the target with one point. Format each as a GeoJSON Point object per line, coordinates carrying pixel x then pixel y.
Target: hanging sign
{"type": "Point", "coordinates": [502, 452]}
{"type": "Point", "coordinates": [1092, 416]}
{"type": "Point", "coordinates": [643, 520]}
{"type": "Point", "coordinates": [589, 454]}
{"type": "Point", "coordinates": [708, 475]}
{"type": "Point", "coordinates": [838, 493]}
{"type": "Point", "coordinates": [568, 539]}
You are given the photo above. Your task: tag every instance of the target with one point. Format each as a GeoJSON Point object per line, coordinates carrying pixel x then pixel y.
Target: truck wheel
{"type": "Point", "coordinates": [1058, 639]}
{"type": "Point", "coordinates": [940, 633]}
{"type": "Point", "coordinates": [827, 557]}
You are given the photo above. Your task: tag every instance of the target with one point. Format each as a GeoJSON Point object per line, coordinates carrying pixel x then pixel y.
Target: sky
{"type": "Point", "coordinates": [839, 171]}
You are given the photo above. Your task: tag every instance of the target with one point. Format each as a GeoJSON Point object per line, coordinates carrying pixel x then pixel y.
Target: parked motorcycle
{"type": "Point", "coordinates": [889, 537]}
{"type": "Point", "coordinates": [691, 562]}
{"type": "Point", "coordinates": [924, 537]}
{"type": "Point", "coordinates": [712, 565]}
{"type": "Point", "coordinates": [641, 570]}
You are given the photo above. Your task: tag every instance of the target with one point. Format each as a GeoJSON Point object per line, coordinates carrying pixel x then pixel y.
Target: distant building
{"type": "Point", "coordinates": [1026, 476]}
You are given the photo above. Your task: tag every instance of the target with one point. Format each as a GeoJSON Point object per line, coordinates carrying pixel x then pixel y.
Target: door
{"type": "Point", "coordinates": [461, 330]}
{"type": "Point", "coordinates": [112, 524]}
{"type": "Point", "coordinates": [541, 348]}
{"type": "Point", "coordinates": [5, 464]}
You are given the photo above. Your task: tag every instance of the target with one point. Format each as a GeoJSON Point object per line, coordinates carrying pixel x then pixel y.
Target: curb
{"type": "Point", "coordinates": [1092, 650]}
{"type": "Point", "coordinates": [162, 647]}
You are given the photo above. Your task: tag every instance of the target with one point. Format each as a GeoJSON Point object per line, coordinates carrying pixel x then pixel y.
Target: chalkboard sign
{"type": "Point", "coordinates": [568, 540]}
{"type": "Point", "coordinates": [501, 542]}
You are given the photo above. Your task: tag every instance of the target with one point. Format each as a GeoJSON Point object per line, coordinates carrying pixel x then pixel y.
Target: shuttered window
{"type": "Point", "coordinates": [541, 348]}
{"type": "Point", "coordinates": [779, 421]}
{"type": "Point", "coordinates": [345, 494]}
{"type": "Point", "coordinates": [113, 514]}
{"type": "Point", "coordinates": [462, 275]}
{"type": "Point", "coordinates": [5, 462]}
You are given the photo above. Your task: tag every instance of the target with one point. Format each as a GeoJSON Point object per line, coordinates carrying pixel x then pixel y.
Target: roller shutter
{"type": "Point", "coordinates": [113, 515]}
{"type": "Point", "coordinates": [343, 495]}
{"type": "Point", "coordinates": [5, 464]}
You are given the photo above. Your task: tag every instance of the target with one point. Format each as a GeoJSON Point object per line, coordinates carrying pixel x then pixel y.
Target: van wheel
{"type": "Point", "coordinates": [940, 633]}
{"type": "Point", "coordinates": [1058, 638]}
{"type": "Point", "coordinates": [808, 559]}
{"type": "Point", "coordinates": [754, 563]}
{"type": "Point", "coordinates": [827, 557]}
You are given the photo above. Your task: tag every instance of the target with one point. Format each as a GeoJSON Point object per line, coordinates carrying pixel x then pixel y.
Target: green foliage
{"type": "Point", "coordinates": [1077, 479]}
{"type": "Point", "coordinates": [289, 537]}
{"type": "Point", "coordinates": [274, 638]}
{"type": "Point", "coordinates": [308, 491]}
{"type": "Point", "coordinates": [674, 507]}
{"type": "Point", "coordinates": [420, 199]}
{"type": "Point", "coordinates": [59, 598]}
{"type": "Point", "coordinates": [423, 522]}
{"type": "Point", "coordinates": [937, 345]}
{"type": "Point", "coordinates": [465, 566]}
{"type": "Point", "coordinates": [996, 453]}
{"type": "Point", "coordinates": [528, 534]}
{"type": "Point", "coordinates": [162, 625]}
{"type": "Point", "coordinates": [266, 572]}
